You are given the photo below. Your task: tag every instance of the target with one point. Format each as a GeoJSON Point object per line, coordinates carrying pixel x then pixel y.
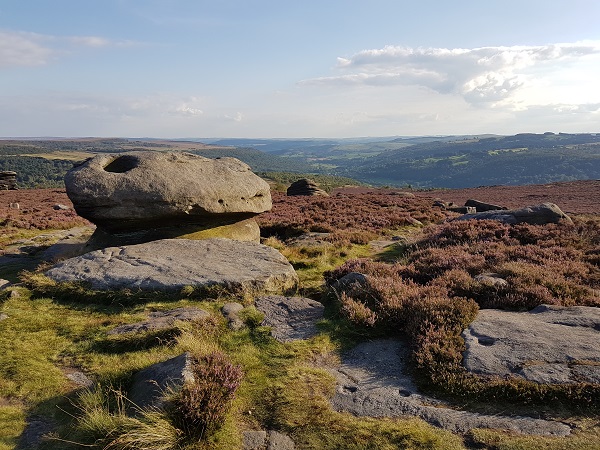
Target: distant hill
{"type": "Point", "coordinates": [510, 160]}
{"type": "Point", "coordinates": [418, 161]}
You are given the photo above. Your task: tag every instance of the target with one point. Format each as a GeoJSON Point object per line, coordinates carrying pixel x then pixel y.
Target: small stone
{"type": "Point", "coordinates": [230, 312]}
{"type": "Point", "coordinates": [3, 316]}
{"type": "Point", "coordinates": [4, 283]}
{"type": "Point", "coordinates": [254, 440]}
{"type": "Point", "coordinates": [61, 207]}
{"type": "Point", "coordinates": [280, 441]}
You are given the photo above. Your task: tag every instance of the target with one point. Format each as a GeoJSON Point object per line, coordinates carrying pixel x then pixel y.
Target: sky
{"type": "Point", "coordinates": [297, 69]}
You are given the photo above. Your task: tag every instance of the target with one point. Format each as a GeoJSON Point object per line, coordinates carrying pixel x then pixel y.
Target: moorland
{"type": "Point", "coordinates": [419, 263]}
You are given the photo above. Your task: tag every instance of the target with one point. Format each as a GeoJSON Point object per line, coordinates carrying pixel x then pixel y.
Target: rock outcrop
{"type": "Point", "coordinates": [372, 381]}
{"type": "Point", "coordinates": [549, 344]}
{"type": "Point", "coordinates": [150, 385]}
{"type": "Point", "coordinates": [291, 318]}
{"type": "Point", "coordinates": [137, 197]}
{"type": "Point", "coordinates": [535, 215]}
{"type": "Point", "coordinates": [160, 320]}
{"type": "Point", "coordinates": [306, 187]}
{"type": "Point", "coordinates": [171, 264]}
{"type": "Point", "coordinates": [8, 180]}
{"type": "Point", "coordinates": [483, 206]}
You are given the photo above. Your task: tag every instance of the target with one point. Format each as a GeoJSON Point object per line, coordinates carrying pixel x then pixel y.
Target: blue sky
{"type": "Point", "coordinates": [251, 68]}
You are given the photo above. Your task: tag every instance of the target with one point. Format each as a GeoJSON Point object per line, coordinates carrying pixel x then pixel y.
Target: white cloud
{"type": "Point", "coordinates": [485, 75]}
{"type": "Point", "coordinates": [24, 49]}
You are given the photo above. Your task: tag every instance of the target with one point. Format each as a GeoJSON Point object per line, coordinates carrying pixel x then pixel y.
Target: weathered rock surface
{"type": "Point", "coordinates": [266, 440]}
{"type": "Point", "coordinates": [150, 385]}
{"type": "Point", "coordinates": [170, 264]}
{"type": "Point", "coordinates": [161, 320]}
{"type": "Point", "coordinates": [307, 187]}
{"type": "Point", "coordinates": [8, 180]}
{"type": "Point", "coordinates": [483, 206]}
{"type": "Point", "coordinates": [4, 283]}
{"type": "Point", "coordinates": [491, 279]}
{"type": "Point", "coordinates": [372, 382]}
{"type": "Point", "coordinates": [138, 190]}
{"type": "Point", "coordinates": [535, 215]}
{"type": "Point", "coordinates": [311, 239]}
{"type": "Point", "coordinates": [549, 344]}
{"type": "Point", "coordinates": [231, 312]}
{"type": "Point", "coordinates": [35, 431]}
{"type": "Point", "coordinates": [291, 318]}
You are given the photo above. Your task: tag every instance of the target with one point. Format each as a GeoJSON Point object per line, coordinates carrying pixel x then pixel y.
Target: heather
{"type": "Point", "coordinates": [375, 213]}
{"type": "Point", "coordinates": [432, 293]}
{"type": "Point", "coordinates": [422, 288]}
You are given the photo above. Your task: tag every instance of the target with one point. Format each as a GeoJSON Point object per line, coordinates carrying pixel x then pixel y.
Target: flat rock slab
{"type": "Point", "coordinates": [549, 344]}
{"type": "Point", "coordinates": [291, 318]}
{"type": "Point", "coordinates": [371, 381]}
{"type": "Point", "coordinates": [170, 264]}
{"type": "Point", "coordinates": [160, 320]}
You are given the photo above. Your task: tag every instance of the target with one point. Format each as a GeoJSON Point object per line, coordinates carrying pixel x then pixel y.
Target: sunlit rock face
{"type": "Point", "coordinates": [142, 196]}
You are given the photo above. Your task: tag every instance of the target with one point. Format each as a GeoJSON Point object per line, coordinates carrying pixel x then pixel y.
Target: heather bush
{"type": "Point", "coordinates": [201, 406]}
{"type": "Point", "coordinates": [375, 213]}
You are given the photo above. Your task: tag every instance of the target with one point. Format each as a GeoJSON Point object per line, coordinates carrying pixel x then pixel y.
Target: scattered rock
{"type": "Point", "coordinates": [491, 279]}
{"type": "Point", "coordinates": [78, 378]}
{"type": "Point", "coordinates": [8, 180]}
{"type": "Point", "coordinates": [14, 293]}
{"type": "Point", "coordinates": [352, 278]}
{"type": "Point", "coordinates": [61, 207]}
{"type": "Point", "coordinates": [535, 215]}
{"type": "Point", "coordinates": [414, 222]}
{"type": "Point", "coordinates": [150, 385]}
{"type": "Point", "coordinates": [372, 381]}
{"type": "Point", "coordinates": [14, 205]}
{"type": "Point", "coordinates": [306, 187]}
{"type": "Point", "coordinates": [254, 440]}
{"type": "Point", "coordinates": [3, 316]}
{"type": "Point", "coordinates": [171, 264]}
{"type": "Point", "coordinates": [230, 312]}
{"type": "Point", "coordinates": [160, 320]}
{"type": "Point", "coordinates": [263, 440]}
{"type": "Point", "coordinates": [549, 344]}
{"type": "Point", "coordinates": [36, 429]}
{"type": "Point", "coordinates": [462, 209]}
{"type": "Point", "coordinates": [143, 196]}
{"type": "Point", "coordinates": [291, 318]}
{"type": "Point", "coordinates": [312, 239]}
{"type": "Point", "coordinates": [280, 441]}
{"type": "Point", "coordinates": [4, 283]}
{"type": "Point", "coordinates": [482, 206]}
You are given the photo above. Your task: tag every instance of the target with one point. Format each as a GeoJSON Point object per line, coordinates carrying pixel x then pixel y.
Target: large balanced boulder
{"type": "Point", "coordinates": [142, 196]}
{"type": "Point", "coordinates": [8, 180]}
{"type": "Point", "coordinates": [534, 215]}
{"type": "Point", "coordinates": [549, 344]}
{"type": "Point", "coordinates": [171, 264]}
{"type": "Point", "coordinates": [306, 187]}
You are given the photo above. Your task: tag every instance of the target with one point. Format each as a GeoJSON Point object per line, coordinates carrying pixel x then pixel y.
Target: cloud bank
{"type": "Point", "coordinates": [486, 76]}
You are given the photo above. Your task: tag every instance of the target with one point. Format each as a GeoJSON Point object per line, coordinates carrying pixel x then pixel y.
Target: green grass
{"type": "Point", "coordinates": [285, 386]}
